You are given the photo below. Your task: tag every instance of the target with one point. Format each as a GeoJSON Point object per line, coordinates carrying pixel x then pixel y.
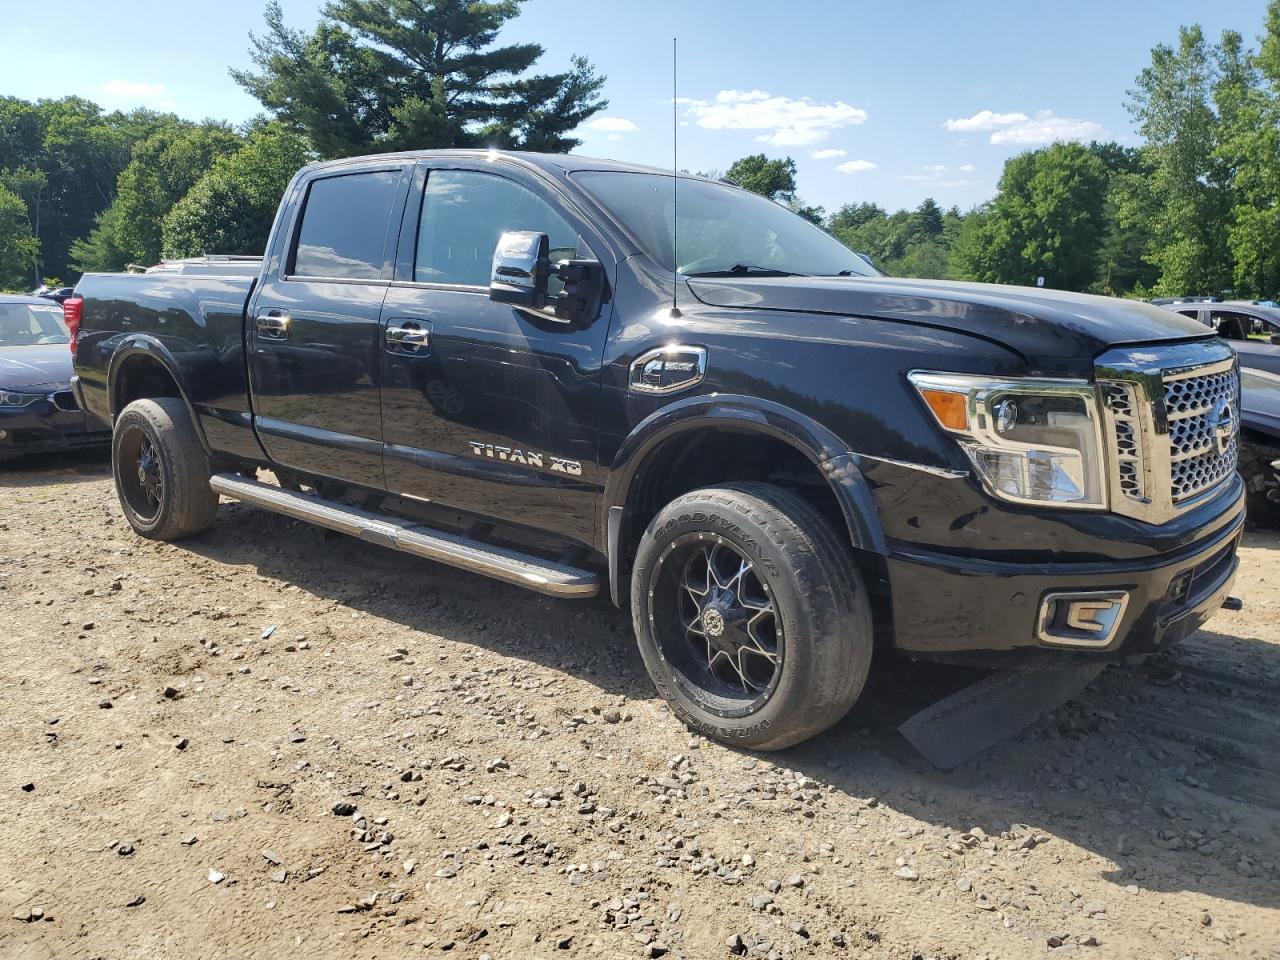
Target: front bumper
{"type": "Point", "coordinates": [978, 610]}
{"type": "Point", "coordinates": [54, 422]}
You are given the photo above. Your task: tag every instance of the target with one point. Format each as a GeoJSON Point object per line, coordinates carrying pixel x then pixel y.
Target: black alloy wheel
{"type": "Point", "coordinates": [726, 637]}
{"type": "Point", "coordinates": [141, 473]}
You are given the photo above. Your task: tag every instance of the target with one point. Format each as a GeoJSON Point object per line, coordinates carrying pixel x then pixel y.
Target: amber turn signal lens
{"type": "Point", "coordinates": [950, 408]}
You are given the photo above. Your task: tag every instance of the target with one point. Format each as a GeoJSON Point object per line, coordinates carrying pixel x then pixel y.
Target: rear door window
{"type": "Point", "coordinates": [344, 226]}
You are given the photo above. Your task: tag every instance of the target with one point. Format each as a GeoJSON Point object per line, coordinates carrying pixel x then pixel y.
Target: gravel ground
{"type": "Point", "coordinates": [269, 741]}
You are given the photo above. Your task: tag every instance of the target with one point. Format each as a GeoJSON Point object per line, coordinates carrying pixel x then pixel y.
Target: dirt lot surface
{"type": "Point", "coordinates": [269, 742]}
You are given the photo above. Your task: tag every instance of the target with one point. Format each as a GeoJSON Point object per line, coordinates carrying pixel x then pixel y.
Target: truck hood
{"type": "Point", "coordinates": [1053, 330]}
{"type": "Point", "coordinates": [39, 366]}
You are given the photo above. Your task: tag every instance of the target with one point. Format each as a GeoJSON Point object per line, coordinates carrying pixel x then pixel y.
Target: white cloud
{"type": "Point", "coordinates": [1021, 130]}
{"type": "Point", "coordinates": [611, 125]}
{"type": "Point", "coordinates": [934, 173]}
{"type": "Point", "coordinates": [787, 122]}
{"type": "Point", "coordinates": [856, 166]}
{"type": "Point", "coordinates": [828, 154]}
{"type": "Point", "coordinates": [985, 120]}
{"type": "Point", "coordinates": [152, 94]}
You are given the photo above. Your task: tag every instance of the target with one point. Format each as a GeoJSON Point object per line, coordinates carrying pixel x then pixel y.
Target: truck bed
{"type": "Point", "coordinates": [192, 324]}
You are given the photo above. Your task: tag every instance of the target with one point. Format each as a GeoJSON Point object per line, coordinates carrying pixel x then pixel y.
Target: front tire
{"type": "Point", "coordinates": [161, 470]}
{"type": "Point", "coordinates": [751, 615]}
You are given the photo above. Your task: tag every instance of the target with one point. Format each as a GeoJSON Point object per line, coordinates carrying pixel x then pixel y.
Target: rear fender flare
{"type": "Point", "coordinates": [153, 351]}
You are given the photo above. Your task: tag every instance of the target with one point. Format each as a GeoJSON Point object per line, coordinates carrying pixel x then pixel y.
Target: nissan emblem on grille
{"type": "Point", "coordinates": [1222, 420]}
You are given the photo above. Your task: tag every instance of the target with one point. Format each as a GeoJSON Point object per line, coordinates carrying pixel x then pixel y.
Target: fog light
{"type": "Point", "coordinates": [1088, 619]}
{"type": "Point", "coordinates": [4, 434]}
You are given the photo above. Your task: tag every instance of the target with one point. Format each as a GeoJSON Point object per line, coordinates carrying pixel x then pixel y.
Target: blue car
{"type": "Point", "coordinates": [38, 411]}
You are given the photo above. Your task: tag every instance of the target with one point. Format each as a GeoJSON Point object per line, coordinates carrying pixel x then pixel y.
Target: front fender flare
{"type": "Point", "coordinates": [828, 453]}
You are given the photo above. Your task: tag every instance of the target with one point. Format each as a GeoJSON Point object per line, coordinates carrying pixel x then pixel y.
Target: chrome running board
{"type": "Point", "coordinates": [522, 569]}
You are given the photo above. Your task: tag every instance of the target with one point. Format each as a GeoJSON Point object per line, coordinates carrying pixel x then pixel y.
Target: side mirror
{"type": "Point", "coordinates": [1275, 339]}
{"type": "Point", "coordinates": [521, 276]}
{"type": "Point", "coordinates": [521, 269]}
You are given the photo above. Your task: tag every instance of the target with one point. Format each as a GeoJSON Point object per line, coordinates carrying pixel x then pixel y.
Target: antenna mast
{"type": "Point", "coordinates": [675, 180]}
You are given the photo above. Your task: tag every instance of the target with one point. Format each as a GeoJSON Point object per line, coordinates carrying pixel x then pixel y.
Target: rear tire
{"type": "Point", "coordinates": [751, 615]}
{"type": "Point", "coordinates": [161, 470]}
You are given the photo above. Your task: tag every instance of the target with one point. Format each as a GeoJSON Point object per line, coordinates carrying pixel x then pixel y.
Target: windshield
{"type": "Point", "coordinates": [31, 324]}
{"type": "Point", "coordinates": [723, 230]}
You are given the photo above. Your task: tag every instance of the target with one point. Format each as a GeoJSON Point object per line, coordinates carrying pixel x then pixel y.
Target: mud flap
{"type": "Point", "coordinates": [964, 724]}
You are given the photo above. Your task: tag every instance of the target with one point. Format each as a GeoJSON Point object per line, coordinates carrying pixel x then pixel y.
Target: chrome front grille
{"type": "Point", "coordinates": [1126, 437]}
{"type": "Point", "coordinates": [1204, 430]}
{"type": "Point", "coordinates": [1172, 422]}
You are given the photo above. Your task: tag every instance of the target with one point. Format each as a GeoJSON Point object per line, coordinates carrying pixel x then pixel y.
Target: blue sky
{"type": "Point", "coordinates": [889, 102]}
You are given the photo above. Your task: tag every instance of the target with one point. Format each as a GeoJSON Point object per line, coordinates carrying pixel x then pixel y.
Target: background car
{"type": "Point", "coordinates": [1253, 329]}
{"type": "Point", "coordinates": [60, 294]}
{"type": "Point", "coordinates": [38, 410]}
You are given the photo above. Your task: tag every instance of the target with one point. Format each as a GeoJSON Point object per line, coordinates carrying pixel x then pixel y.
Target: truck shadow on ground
{"type": "Point", "coordinates": [1167, 772]}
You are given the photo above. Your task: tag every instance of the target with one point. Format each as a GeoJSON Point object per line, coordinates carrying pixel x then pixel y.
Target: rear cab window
{"type": "Point", "coordinates": [343, 233]}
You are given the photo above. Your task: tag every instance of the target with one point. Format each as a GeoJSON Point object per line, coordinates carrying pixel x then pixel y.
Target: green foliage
{"type": "Point", "coordinates": [908, 243]}
{"type": "Point", "coordinates": [230, 209]}
{"type": "Point", "coordinates": [775, 179]}
{"type": "Point", "coordinates": [379, 75]}
{"type": "Point", "coordinates": [62, 158]}
{"type": "Point", "coordinates": [1046, 221]}
{"type": "Point", "coordinates": [1122, 253]}
{"type": "Point", "coordinates": [1188, 199]}
{"type": "Point", "coordinates": [163, 169]}
{"type": "Point", "coordinates": [19, 249]}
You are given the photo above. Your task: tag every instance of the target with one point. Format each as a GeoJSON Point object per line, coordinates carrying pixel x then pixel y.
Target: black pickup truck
{"type": "Point", "coordinates": [778, 458]}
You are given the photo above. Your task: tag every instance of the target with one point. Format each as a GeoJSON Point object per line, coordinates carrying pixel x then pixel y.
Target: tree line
{"type": "Point", "coordinates": [1194, 210]}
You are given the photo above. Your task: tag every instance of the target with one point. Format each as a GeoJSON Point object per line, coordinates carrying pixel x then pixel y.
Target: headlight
{"type": "Point", "coordinates": [1031, 441]}
{"type": "Point", "coordinates": [10, 399]}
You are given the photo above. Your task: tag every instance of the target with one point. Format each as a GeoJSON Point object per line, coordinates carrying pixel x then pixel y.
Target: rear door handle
{"type": "Point", "coordinates": [272, 324]}
{"type": "Point", "coordinates": [407, 337]}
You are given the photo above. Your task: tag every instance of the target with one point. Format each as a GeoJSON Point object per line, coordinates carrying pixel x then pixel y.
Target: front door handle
{"type": "Point", "coordinates": [407, 338]}
{"type": "Point", "coordinates": [272, 324]}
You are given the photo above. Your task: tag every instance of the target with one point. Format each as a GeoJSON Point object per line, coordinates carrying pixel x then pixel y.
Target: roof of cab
{"type": "Point", "coordinates": [557, 164]}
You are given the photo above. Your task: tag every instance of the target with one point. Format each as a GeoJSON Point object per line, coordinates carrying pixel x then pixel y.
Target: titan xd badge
{"type": "Point", "coordinates": [527, 458]}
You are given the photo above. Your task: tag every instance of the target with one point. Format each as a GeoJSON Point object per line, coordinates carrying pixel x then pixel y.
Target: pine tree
{"type": "Point", "coordinates": [381, 75]}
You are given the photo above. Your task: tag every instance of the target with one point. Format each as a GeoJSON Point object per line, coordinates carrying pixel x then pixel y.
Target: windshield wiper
{"type": "Point", "coordinates": [741, 269]}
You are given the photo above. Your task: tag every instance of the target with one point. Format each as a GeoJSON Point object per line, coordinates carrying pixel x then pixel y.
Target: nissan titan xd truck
{"type": "Point", "coordinates": [779, 460]}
